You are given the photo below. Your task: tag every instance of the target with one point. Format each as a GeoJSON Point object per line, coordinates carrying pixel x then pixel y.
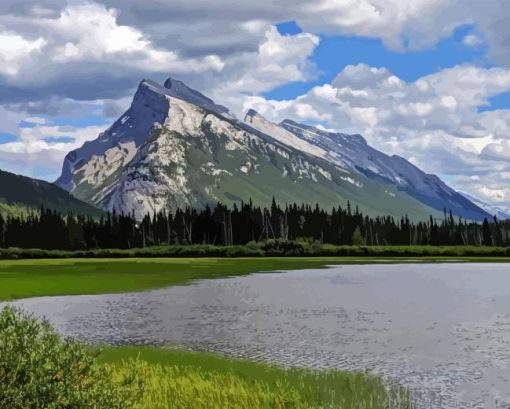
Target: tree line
{"type": "Point", "coordinates": [241, 224]}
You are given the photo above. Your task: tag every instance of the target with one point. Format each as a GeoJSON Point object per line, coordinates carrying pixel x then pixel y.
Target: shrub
{"type": "Point", "coordinates": [275, 248]}
{"type": "Point", "coordinates": [39, 370]}
{"type": "Point", "coordinates": [278, 248]}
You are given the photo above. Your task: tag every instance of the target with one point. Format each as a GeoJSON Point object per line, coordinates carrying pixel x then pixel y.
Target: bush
{"type": "Point", "coordinates": [275, 248]}
{"type": "Point", "coordinates": [269, 248]}
{"type": "Point", "coordinates": [39, 370]}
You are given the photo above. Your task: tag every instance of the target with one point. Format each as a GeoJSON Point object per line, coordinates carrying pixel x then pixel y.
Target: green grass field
{"type": "Point", "coordinates": [179, 379]}
{"type": "Point", "coordinates": [30, 278]}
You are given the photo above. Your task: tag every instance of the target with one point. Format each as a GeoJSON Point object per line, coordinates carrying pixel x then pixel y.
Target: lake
{"type": "Point", "coordinates": [443, 330]}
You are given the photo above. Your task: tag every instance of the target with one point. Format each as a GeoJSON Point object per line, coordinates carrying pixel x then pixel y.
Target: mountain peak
{"type": "Point", "coordinates": [261, 123]}
{"type": "Point", "coordinates": [152, 86]}
{"type": "Point", "coordinates": [178, 89]}
{"type": "Point", "coordinates": [251, 113]}
{"type": "Point", "coordinates": [288, 121]}
{"type": "Point", "coordinates": [175, 84]}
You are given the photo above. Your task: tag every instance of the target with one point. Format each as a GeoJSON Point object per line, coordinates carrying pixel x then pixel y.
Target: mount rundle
{"type": "Point", "coordinates": [174, 147]}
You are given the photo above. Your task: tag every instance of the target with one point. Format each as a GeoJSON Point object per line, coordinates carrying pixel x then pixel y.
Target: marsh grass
{"type": "Point", "coordinates": [40, 370]}
{"type": "Point", "coordinates": [177, 379]}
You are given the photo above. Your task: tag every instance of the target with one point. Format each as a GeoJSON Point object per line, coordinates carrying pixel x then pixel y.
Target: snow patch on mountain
{"type": "Point", "coordinates": [500, 212]}
{"type": "Point", "coordinates": [282, 135]}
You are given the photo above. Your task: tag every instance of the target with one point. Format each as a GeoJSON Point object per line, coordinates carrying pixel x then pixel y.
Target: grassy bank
{"type": "Point", "coordinates": [58, 373]}
{"type": "Point", "coordinates": [182, 379]}
{"type": "Point", "coordinates": [272, 248]}
{"type": "Point", "coordinates": [30, 278]}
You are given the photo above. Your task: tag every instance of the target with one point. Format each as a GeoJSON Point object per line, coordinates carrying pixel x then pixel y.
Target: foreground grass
{"type": "Point", "coordinates": [178, 379]}
{"type": "Point", "coordinates": [30, 278]}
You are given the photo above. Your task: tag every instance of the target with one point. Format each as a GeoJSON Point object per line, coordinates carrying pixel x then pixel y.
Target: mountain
{"type": "Point", "coordinates": [175, 147]}
{"type": "Point", "coordinates": [502, 213]}
{"type": "Point", "coordinates": [23, 194]}
{"type": "Point", "coordinates": [352, 152]}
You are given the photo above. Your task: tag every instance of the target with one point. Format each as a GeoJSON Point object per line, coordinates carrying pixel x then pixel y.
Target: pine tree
{"type": "Point", "coordinates": [357, 238]}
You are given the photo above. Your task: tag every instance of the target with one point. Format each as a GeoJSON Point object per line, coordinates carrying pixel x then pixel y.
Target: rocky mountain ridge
{"type": "Point", "coordinates": [175, 147]}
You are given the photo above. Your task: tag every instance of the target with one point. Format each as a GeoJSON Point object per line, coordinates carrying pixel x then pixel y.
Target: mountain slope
{"type": "Point", "coordinates": [23, 194]}
{"type": "Point", "coordinates": [502, 213]}
{"type": "Point", "coordinates": [352, 152]}
{"type": "Point", "coordinates": [175, 147]}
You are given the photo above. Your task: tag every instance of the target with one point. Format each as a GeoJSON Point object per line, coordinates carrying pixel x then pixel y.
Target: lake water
{"type": "Point", "coordinates": [443, 330]}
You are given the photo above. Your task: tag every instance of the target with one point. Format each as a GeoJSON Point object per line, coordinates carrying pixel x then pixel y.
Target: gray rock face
{"type": "Point", "coordinates": [178, 89]}
{"type": "Point", "coordinates": [175, 147]}
{"type": "Point", "coordinates": [149, 107]}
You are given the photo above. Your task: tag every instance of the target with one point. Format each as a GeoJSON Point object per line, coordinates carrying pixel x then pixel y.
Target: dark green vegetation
{"type": "Point", "coordinates": [29, 278]}
{"type": "Point", "coordinates": [242, 226]}
{"type": "Point", "coordinates": [271, 248]}
{"type": "Point", "coordinates": [23, 195]}
{"type": "Point", "coordinates": [39, 370]}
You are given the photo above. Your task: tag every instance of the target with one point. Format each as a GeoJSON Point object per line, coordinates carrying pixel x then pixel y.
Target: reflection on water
{"type": "Point", "coordinates": [441, 329]}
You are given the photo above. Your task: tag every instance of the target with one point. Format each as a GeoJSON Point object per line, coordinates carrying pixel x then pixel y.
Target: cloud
{"type": "Point", "coordinates": [472, 40]}
{"type": "Point", "coordinates": [16, 50]}
{"type": "Point", "coordinates": [91, 33]}
{"type": "Point", "coordinates": [39, 146]}
{"type": "Point", "coordinates": [114, 108]}
{"type": "Point", "coordinates": [499, 151]}
{"type": "Point", "coordinates": [91, 51]}
{"type": "Point", "coordinates": [399, 23]}
{"type": "Point", "coordinates": [279, 59]}
{"type": "Point", "coordinates": [100, 50]}
{"type": "Point", "coordinates": [196, 27]}
{"type": "Point", "coordinates": [35, 120]}
{"type": "Point", "coordinates": [82, 53]}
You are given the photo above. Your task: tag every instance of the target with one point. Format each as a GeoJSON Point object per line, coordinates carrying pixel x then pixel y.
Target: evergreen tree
{"type": "Point", "coordinates": [357, 238]}
{"type": "Point", "coordinates": [486, 233]}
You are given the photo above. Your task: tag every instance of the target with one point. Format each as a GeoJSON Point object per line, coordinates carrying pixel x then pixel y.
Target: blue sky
{"type": "Point", "coordinates": [336, 52]}
{"type": "Point", "coordinates": [6, 137]}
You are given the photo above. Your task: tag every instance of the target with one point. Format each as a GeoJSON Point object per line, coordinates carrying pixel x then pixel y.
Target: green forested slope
{"type": "Point", "coordinates": [21, 194]}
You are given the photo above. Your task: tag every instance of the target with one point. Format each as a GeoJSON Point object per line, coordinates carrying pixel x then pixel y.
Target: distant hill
{"type": "Point", "coordinates": [21, 194]}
